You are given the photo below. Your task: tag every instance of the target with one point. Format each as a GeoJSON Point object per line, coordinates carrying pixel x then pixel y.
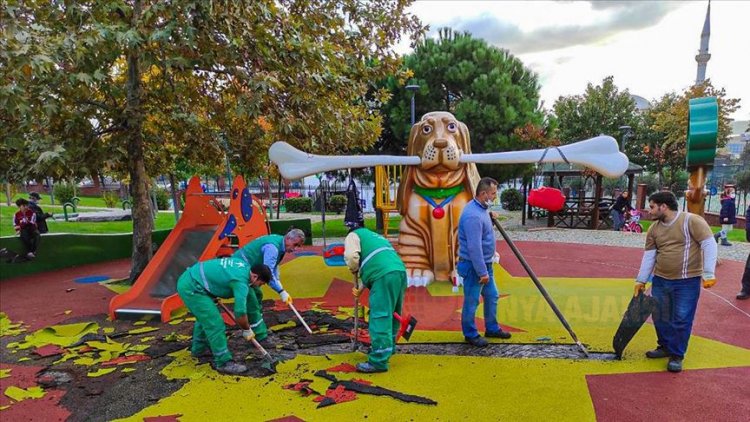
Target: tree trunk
{"type": "Point", "coordinates": [143, 223]}
{"type": "Point", "coordinates": [175, 197]}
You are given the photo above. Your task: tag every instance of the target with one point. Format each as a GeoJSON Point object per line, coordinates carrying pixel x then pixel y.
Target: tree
{"type": "Point", "coordinates": [141, 83]}
{"type": "Point", "coordinates": [601, 109]}
{"type": "Point", "coordinates": [485, 87]}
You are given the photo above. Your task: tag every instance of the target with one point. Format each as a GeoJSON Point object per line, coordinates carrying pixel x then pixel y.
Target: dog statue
{"type": "Point", "coordinates": [432, 195]}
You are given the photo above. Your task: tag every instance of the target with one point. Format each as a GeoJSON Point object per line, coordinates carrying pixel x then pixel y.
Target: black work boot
{"type": "Point", "coordinates": [675, 364]}
{"type": "Point", "coordinates": [477, 341]}
{"type": "Point", "coordinates": [657, 353]}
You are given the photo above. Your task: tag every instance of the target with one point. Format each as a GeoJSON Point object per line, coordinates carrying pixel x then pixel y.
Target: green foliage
{"type": "Point", "coordinates": [677, 181]}
{"type": "Point", "coordinates": [651, 180]}
{"type": "Point", "coordinates": [485, 87]}
{"type": "Point", "coordinates": [64, 192]}
{"type": "Point", "coordinates": [130, 87]}
{"type": "Point", "coordinates": [337, 203]}
{"type": "Point", "coordinates": [162, 199]}
{"type": "Point", "coordinates": [110, 198]}
{"type": "Point", "coordinates": [602, 109]}
{"type": "Point", "coordinates": [743, 181]}
{"type": "Point", "coordinates": [511, 199]}
{"type": "Point", "coordinates": [298, 204]}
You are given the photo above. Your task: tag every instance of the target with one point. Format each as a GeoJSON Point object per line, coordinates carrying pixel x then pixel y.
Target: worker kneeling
{"type": "Point", "coordinates": [382, 271]}
{"type": "Point", "coordinates": [223, 278]}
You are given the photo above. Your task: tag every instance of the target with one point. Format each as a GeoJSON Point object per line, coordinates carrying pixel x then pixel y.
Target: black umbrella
{"type": "Point", "coordinates": [353, 218]}
{"type": "Point", "coordinates": [639, 309]}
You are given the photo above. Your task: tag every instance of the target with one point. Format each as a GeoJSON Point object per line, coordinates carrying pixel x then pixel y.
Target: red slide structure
{"type": "Point", "coordinates": [203, 232]}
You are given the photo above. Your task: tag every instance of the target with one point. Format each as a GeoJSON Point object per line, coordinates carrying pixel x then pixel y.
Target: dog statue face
{"type": "Point", "coordinates": [427, 242]}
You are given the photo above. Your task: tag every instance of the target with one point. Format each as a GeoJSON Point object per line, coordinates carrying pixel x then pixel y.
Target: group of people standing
{"type": "Point", "coordinates": [679, 258]}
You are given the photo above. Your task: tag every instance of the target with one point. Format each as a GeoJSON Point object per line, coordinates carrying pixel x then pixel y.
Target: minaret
{"type": "Point", "coordinates": [703, 55]}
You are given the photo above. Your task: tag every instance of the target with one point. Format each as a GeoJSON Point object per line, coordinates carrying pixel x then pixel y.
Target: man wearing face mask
{"type": "Point", "coordinates": [727, 215]}
{"type": "Point", "coordinates": [476, 250]}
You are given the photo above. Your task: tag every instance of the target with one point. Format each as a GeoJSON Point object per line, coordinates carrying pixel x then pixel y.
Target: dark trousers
{"type": "Point", "coordinates": [673, 318]}
{"type": "Point", "coordinates": [746, 276]}
{"type": "Point", "coordinates": [30, 238]}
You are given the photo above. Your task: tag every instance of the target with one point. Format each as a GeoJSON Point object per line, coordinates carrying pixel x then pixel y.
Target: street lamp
{"type": "Point", "coordinates": [413, 89]}
{"type": "Point", "coordinates": [627, 133]}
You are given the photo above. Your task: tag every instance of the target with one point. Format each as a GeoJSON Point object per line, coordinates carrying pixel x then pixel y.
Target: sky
{"type": "Point", "coordinates": [648, 46]}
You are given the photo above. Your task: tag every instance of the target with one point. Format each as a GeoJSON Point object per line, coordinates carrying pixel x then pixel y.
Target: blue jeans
{"type": "Point", "coordinates": [472, 291]}
{"type": "Point", "coordinates": [617, 220]}
{"type": "Point", "coordinates": [676, 301]}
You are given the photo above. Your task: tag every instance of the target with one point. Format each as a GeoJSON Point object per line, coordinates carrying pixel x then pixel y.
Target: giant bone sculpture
{"type": "Point", "coordinates": [440, 180]}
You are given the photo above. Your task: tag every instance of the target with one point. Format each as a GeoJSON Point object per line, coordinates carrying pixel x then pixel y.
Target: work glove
{"type": "Point", "coordinates": [496, 258]}
{"type": "Point", "coordinates": [248, 334]}
{"type": "Point", "coordinates": [709, 280]}
{"type": "Point", "coordinates": [356, 292]}
{"type": "Point", "coordinates": [638, 288]}
{"type": "Point", "coordinates": [285, 297]}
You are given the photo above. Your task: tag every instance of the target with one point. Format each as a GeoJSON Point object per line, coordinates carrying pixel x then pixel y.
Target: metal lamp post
{"type": "Point", "coordinates": [413, 89]}
{"type": "Point", "coordinates": [627, 133]}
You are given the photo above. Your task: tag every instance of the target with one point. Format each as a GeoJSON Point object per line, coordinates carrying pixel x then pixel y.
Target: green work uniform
{"type": "Point", "coordinates": [252, 253]}
{"type": "Point", "coordinates": [382, 271]}
{"type": "Point", "coordinates": [200, 284]}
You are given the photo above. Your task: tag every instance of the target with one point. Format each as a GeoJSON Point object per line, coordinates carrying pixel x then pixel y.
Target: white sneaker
{"type": "Point", "coordinates": [30, 255]}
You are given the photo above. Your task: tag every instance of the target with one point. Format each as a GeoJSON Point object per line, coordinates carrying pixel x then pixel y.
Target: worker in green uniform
{"type": "Point", "coordinates": [222, 278]}
{"type": "Point", "coordinates": [381, 270]}
{"type": "Point", "coordinates": [270, 250]}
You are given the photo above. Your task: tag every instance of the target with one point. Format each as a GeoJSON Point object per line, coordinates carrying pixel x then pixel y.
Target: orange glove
{"type": "Point", "coordinates": [708, 283]}
{"type": "Point", "coordinates": [356, 292]}
{"type": "Point", "coordinates": [638, 288]}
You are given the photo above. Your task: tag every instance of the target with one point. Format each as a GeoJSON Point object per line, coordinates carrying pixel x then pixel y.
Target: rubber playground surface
{"type": "Point", "coordinates": [139, 370]}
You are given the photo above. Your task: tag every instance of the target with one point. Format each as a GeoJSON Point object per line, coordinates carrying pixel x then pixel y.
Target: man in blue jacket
{"type": "Point", "coordinates": [476, 249]}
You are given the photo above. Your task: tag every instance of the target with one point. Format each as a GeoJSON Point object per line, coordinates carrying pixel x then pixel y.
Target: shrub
{"type": "Point", "coordinates": [64, 192]}
{"type": "Point", "coordinates": [162, 199]}
{"type": "Point", "coordinates": [298, 204]}
{"type": "Point", "coordinates": [337, 203]}
{"type": "Point", "coordinates": [511, 199]}
{"type": "Point", "coordinates": [110, 198]}
{"type": "Point", "coordinates": [651, 180]}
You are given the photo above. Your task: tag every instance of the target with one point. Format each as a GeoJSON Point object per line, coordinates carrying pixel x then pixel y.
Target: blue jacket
{"type": "Point", "coordinates": [728, 210]}
{"type": "Point", "coordinates": [476, 238]}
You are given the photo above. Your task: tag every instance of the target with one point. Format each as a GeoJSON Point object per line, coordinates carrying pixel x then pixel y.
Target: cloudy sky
{"type": "Point", "coordinates": [649, 46]}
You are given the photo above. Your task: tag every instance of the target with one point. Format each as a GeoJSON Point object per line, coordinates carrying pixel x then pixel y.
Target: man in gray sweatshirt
{"type": "Point", "coordinates": [476, 248]}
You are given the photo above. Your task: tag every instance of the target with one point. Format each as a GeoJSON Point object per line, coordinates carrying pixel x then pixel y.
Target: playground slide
{"type": "Point", "coordinates": [203, 232]}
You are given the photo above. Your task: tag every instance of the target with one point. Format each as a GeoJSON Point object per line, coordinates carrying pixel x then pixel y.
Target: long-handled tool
{"type": "Point", "coordinates": [408, 324]}
{"type": "Point", "coordinates": [302, 320]}
{"type": "Point", "coordinates": [356, 314]}
{"type": "Point", "coordinates": [254, 341]}
{"type": "Point", "coordinates": [539, 285]}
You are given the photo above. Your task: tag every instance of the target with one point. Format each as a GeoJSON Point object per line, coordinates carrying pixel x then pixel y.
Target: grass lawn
{"type": "Point", "coordinates": [736, 235]}
{"type": "Point", "coordinates": [85, 201]}
{"type": "Point", "coordinates": [163, 221]}
{"type": "Point", "coordinates": [336, 228]}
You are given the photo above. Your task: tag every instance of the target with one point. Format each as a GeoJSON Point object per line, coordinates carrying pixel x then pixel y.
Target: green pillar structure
{"type": "Point", "coordinates": [703, 129]}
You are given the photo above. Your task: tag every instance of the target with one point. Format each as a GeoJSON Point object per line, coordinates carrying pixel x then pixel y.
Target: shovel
{"type": "Point", "coordinates": [254, 341]}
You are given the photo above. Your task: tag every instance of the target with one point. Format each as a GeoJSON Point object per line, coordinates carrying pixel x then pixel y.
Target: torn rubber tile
{"type": "Point", "coordinates": [287, 419]}
{"type": "Point", "coordinates": [337, 395]}
{"type": "Point", "coordinates": [166, 418]}
{"type": "Point", "coordinates": [344, 367]}
{"type": "Point", "coordinates": [49, 350]}
{"type": "Point", "coordinates": [100, 372]}
{"type": "Point", "coordinates": [361, 381]}
{"type": "Point", "coordinates": [362, 388]}
{"type": "Point", "coordinates": [303, 386]}
{"type": "Point", "coordinates": [19, 394]}
{"type": "Point", "coordinates": [123, 360]}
